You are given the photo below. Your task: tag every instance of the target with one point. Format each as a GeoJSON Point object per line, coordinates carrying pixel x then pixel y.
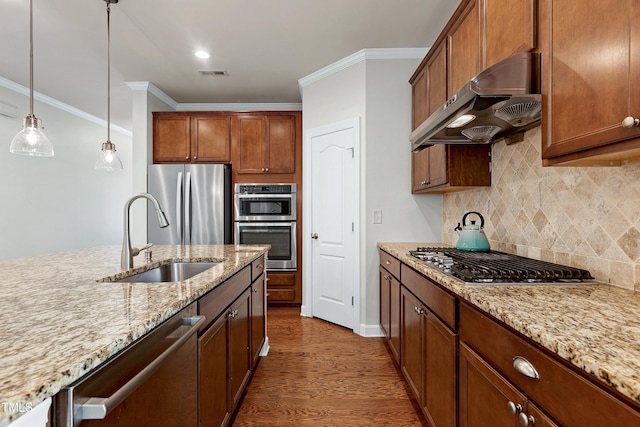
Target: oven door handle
{"type": "Point", "coordinates": [97, 408]}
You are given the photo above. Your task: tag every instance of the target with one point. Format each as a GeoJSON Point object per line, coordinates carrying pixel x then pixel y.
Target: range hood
{"type": "Point", "coordinates": [501, 101]}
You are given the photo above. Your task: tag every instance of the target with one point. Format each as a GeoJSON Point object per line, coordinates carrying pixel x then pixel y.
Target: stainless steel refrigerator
{"type": "Point", "coordinates": [197, 202]}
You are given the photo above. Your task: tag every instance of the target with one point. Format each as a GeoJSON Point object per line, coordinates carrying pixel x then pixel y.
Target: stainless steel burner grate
{"type": "Point", "coordinates": [495, 267]}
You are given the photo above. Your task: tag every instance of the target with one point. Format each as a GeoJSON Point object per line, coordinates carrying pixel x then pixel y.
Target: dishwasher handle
{"type": "Point", "coordinates": [97, 408]}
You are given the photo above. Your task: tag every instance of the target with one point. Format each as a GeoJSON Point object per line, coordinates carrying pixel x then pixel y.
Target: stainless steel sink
{"type": "Point", "coordinates": [172, 272]}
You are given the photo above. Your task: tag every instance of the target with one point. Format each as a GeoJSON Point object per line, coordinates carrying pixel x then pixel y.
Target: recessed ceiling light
{"type": "Point", "coordinates": [203, 54]}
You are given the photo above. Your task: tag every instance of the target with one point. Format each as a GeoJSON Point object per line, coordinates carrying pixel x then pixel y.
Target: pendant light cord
{"type": "Point", "coordinates": [108, 74]}
{"type": "Point", "coordinates": [31, 58]}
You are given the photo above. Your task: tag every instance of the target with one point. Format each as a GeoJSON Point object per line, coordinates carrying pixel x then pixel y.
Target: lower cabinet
{"type": "Point", "coordinates": [428, 360]}
{"type": "Point", "coordinates": [489, 400]}
{"type": "Point", "coordinates": [228, 348]}
{"type": "Point", "coordinates": [239, 346]}
{"type": "Point", "coordinates": [390, 311]}
{"type": "Point", "coordinates": [467, 368]}
{"type": "Point", "coordinates": [212, 384]}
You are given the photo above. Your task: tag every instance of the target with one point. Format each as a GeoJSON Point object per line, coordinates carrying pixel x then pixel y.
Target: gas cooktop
{"type": "Point", "coordinates": [499, 268]}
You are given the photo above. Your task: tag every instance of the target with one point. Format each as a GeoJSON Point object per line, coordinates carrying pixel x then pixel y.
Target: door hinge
{"type": "Point", "coordinates": [351, 300]}
{"type": "Point", "coordinates": [352, 152]}
{"type": "Point", "coordinates": [353, 227]}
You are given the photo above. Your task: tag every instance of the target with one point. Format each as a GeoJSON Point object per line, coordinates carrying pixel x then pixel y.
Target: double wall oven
{"type": "Point", "coordinates": [266, 214]}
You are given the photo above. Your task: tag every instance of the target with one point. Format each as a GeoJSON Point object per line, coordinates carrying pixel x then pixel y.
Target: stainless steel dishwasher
{"type": "Point", "coordinates": [151, 383]}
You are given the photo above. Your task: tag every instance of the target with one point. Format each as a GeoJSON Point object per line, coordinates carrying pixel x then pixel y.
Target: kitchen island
{"type": "Point", "coordinates": [60, 321]}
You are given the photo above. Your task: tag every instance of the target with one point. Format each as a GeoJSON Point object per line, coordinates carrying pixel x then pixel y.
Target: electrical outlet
{"type": "Point", "coordinates": [377, 216]}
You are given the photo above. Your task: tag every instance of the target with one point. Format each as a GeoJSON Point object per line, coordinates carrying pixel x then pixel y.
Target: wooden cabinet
{"type": "Point", "coordinates": [191, 137]}
{"type": "Point", "coordinates": [428, 360]}
{"type": "Point", "coordinates": [564, 394]}
{"type": "Point", "coordinates": [213, 356]}
{"type": "Point", "coordinates": [265, 143]}
{"type": "Point", "coordinates": [445, 168]}
{"type": "Point", "coordinates": [463, 41]}
{"type": "Point", "coordinates": [489, 400]}
{"type": "Point", "coordinates": [506, 27]}
{"type": "Point", "coordinates": [258, 305]}
{"type": "Point", "coordinates": [283, 288]}
{"type": "Point", "coordinates": [225, 346]}
{"type": "Point", "coordinates": [390, 298]}
{"type": "Point", "coordinates": [590, 81]}
{"type": "Point", "coordinates": [239, 346]}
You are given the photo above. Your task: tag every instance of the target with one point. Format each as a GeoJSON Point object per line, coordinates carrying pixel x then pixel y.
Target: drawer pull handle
{"type": "Point", "coordinates": [525, 367]}
{"type": "Point", "coordinates": [525, 419]}
{"type": "Point", "coordinates": [387, 262]}
{"type": "Point", "coordinates": [514, 408]}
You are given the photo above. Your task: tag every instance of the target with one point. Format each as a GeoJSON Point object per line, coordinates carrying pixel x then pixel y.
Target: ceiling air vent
{"type": "Point", "coordinates": [214, 73]}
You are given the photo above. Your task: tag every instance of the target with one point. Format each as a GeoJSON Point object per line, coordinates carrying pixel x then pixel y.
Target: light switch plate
{"type": "Point", "coordinates": [377, 216]}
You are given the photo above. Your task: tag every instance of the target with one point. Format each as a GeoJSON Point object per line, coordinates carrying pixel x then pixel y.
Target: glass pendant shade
{"type": "Point", "coordinates": [108, 160]}
{"type": "Point", "coordinates": [31, 141]}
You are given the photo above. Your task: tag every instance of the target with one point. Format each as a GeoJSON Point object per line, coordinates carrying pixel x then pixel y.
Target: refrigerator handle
{"type": "Point", "coordinates": [179, 205]}
{"type": "Point", "coordinates": [187, 210]}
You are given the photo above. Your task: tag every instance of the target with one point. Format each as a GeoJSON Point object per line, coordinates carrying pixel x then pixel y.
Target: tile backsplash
{"type": "Point", "coordinates": [586, 217]}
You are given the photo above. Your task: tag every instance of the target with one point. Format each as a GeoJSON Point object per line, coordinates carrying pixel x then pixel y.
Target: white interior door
{"type": "Point", "coordinates": [333, 236]}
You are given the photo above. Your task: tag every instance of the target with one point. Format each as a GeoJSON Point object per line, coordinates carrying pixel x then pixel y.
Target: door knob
{"type": "Point", "coordinates": [314, 235]}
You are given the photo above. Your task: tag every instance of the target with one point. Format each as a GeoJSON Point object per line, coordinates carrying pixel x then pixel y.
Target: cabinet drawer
{"type": "Point", "coordinates": [279, 295]}
{"type": "Point", "coordinates": [431, 295]}
{"type": "Point", "coordinates": [563, 393]}
{"type": "Point", "coordinates": [218, 299]}
{"type": "Point", "coordinates": [390, 263]}
{"type": "Point", "coordinates": [257, 268]}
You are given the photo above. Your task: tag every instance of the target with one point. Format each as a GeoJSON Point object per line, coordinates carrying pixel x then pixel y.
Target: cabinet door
{"type": "Point", "coordinates": [419, 170]}
{"type": "Point", "coordinates": [508, 27]}
{"type": "Point", "coordinates": [411, 343]}
{"type": "Point", "coordinates": [280, 144]}
{"type": "Point", "coordinates": [590, 77]}
{"type": "Point", "coordinates": [239, 346]}
{"type": "Point", "coordinates": [437, 78]}
{"type": "Point", "coordinates": [438, 165]}
{"type": "Point", "coordinates": [419, 100]}
{"type": "Point", "coordinates": [213, 392]}
{"type": "Point", "coordinates": [171, 139]}
{"type": "Point", "coordinates": [211, 138]}
{"type": "Point", "coordinates": [394, 316]}
{"type": "Point", "coordinates": [249, 134]}
{"type": "Point", "coordinates": [257, 318]}
{"type": "Point", "coordinates": [385, 298]}
{"type": "Point", "coordinates": [484, 394]}
{"type": "Point", "coordinates": [440, 361]}
{"type": "Point", "coordinates": [464, 48]}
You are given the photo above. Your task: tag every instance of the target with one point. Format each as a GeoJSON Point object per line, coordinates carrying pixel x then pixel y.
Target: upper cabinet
{"type": "Point", "coordinates": [591, 60]}
{"type": "Point", "coordinates": [507, 27]}
{"type": "Point", "coordinates": [464, 44]}
{"type": "Point", "coordinates": [191, 137]}
{"type": "Point", "coordinates": [265, 143]}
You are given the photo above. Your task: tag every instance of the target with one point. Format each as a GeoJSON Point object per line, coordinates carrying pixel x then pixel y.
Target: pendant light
{"type": "Point", "coordinates": [31, 141]}
{"type": "Point", "coordinates": [108, 160]}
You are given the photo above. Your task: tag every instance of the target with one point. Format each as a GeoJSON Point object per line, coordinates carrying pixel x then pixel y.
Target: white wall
{"type": "Point", "coordinates": [59, 203]}
{"type": "Point", "coordinates": [144, 104]}
{"type": "Point", "coordinates": [377, 91]}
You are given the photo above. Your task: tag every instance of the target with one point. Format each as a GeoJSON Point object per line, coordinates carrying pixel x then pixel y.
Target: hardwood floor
{"type": "Point", "coordinates": [320, 374]}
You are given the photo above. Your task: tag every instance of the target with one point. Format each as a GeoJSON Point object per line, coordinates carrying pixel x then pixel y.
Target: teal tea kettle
{"type": "Point", "coordinates": [471, 237]}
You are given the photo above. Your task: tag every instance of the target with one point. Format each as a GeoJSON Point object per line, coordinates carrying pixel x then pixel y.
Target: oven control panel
{"type": "Point", "coordinates": [265, 188]}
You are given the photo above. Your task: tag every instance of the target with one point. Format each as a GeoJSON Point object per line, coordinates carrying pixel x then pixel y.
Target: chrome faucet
{"type": "Point", "coordinates": [126, 258]}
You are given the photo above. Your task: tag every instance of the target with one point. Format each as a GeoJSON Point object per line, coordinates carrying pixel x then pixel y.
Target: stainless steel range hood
{"type": "Point", "coordinates": [501, 101]}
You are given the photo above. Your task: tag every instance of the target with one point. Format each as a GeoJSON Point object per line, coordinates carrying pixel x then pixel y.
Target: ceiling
{"type": "Point", "coordinates": [265, 46]}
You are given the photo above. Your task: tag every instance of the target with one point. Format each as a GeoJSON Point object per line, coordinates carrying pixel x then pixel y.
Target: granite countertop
{"type": "Point", "coordinates": [59, 322]}
{"type": "Point", "coordinates": [595, 328]}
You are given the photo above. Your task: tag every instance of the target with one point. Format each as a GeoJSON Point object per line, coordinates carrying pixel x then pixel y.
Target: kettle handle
{"type": "Point", "coordinates": [464, 218]}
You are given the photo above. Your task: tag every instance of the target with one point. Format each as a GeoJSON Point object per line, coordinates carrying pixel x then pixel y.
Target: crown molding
{"type": "Point", "coordinates": [233, 106]}
{"type": "Point", "coordinates": [154, 90]}
{"type": "Point", "coordinates": [362, 55]}
{"type": "Point", "coordinates": [23, 90]}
